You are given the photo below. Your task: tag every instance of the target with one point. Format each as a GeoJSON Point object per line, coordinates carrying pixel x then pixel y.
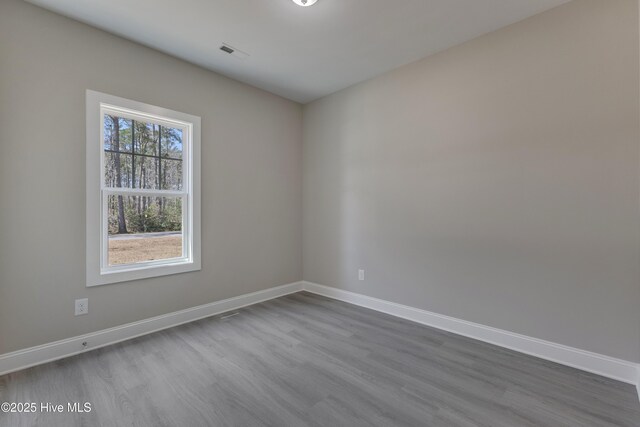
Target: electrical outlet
{"type": "Point", "coordinates": [82, 306]}
{"type": "Point", "coordinates": [360, 274]}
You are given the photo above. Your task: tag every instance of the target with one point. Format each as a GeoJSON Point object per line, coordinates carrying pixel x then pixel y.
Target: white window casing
{"type": "Point", "coordinates": [98, 270]}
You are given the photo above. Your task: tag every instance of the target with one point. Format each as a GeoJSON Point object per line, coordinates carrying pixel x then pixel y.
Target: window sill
{"type": "Point", "coordinates": [142, 272]}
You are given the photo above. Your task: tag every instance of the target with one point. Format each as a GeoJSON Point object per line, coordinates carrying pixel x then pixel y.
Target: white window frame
{"type": "Point", "coordinates": [98, 270]}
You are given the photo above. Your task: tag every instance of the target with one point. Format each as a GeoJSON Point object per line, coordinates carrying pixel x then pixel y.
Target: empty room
{"type": "Point", "coordinates": [320, 213]}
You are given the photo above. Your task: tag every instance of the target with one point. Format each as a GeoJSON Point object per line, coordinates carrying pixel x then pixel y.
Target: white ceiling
{"type": "Point", "coordinates": [300, 53]}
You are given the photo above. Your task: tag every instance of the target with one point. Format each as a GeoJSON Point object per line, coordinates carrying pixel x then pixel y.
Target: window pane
{"type": "Point", "coordinates": [117, 133]}
{"type": "Point", "coordinates": [146, 172]}
{"type": "Point", "coordinates": [146, 138]}
{"type": "Point", "coordinates": [171, 175]}
{"type": "Point", "coordinates": [171, 143]}
{"type": "Point", "coordinates": [117, 170]}
{"type": "Point", "coordinates": [144, 228]}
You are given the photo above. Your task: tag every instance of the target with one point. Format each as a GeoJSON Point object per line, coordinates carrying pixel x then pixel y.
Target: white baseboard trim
{"type": "Point", "coordinates": [22, 359]}
{"type": "Point", "coordinates": [606, 366]}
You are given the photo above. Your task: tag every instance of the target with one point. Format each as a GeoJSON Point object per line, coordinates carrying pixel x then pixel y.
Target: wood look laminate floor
{"type": "Point", "coordinates": [306, 360]}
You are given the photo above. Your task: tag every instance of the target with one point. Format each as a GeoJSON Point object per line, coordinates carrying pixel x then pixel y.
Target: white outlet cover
{"type": "Point", "coordinates": [360, 274]}
{"type": "Point", "coordinates": [82, 306]}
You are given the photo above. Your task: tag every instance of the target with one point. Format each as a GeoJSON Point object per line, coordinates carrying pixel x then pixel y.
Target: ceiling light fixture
{"type": "Point", "coordinates": [305, 3]}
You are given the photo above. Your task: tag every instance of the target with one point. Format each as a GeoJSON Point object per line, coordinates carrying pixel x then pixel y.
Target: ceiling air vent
{"type": "Point", "coordinates": [234, 52]}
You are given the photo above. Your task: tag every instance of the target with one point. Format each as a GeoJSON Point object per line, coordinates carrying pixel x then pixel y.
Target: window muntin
{"type": "Point", "coordinates": [153, 161]}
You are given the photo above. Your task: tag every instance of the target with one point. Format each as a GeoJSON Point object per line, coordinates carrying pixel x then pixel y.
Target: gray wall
{"type": "Point", "coordinates": [251, 178]}
{"type": "Point", "coordinates": [496, 182]}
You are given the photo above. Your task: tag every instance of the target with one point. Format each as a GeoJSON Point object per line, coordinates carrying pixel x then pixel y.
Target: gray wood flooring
{"type": "Point", "coordinates": [305, 360]}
